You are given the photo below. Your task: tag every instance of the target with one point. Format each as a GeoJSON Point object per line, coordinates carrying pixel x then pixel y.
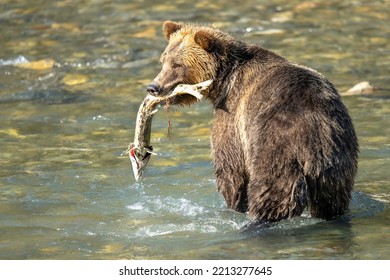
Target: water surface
{"type": "Point", "coordinates": [72, 75]}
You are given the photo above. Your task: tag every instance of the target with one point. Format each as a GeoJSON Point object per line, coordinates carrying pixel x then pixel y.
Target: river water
{"type": "Point", "coordinates": [72, 75]}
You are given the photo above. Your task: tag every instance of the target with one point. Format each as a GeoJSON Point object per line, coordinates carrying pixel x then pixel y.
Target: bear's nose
{"type": "Point", "coordinates": [153, 89]}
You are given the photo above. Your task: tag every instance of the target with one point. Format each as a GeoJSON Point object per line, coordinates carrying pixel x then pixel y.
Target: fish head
{"type": "Point", "coordinates": [139, 159]}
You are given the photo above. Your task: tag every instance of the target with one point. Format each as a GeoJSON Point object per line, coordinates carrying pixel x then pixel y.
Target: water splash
{"type": "Point", "coordinates": [14, 61]}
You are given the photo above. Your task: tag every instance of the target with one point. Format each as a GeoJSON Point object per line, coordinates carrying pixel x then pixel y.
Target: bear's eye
{"type": "Point", "coordinates": [176, 65]}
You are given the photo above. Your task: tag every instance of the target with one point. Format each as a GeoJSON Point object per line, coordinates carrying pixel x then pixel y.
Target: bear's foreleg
{"type": "Point", "coordinates": [230, 173]}
{"type": "Point", "coordinates": [233, 186]}
{"type": "Point", "coordinates": [272, 198]}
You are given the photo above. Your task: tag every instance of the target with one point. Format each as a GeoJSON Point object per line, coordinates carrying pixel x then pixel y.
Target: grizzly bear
{"type": "Point", "coordinates": [282, 140]}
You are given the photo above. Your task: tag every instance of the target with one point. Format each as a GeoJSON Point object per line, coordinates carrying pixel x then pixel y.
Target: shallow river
{"type": "Point", "coordinates": [72, 75]}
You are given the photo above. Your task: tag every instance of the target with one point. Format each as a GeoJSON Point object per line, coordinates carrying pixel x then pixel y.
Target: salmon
{"type": "Point", "coordinates": [140, 150]}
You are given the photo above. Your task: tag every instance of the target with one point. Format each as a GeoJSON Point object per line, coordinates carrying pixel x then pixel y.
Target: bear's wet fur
{"type": "Point", "coordinates": [282, 140]}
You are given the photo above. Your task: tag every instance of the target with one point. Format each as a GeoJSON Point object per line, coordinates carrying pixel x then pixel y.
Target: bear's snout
{"type": "Point", "coordinates": [153, 89]}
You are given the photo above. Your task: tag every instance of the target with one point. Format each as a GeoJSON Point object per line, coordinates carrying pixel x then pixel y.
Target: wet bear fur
{"type": "Point", "coordinates": [281, 141]}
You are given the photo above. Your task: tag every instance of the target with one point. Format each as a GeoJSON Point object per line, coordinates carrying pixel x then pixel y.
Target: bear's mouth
{"type": "Point", "coordinates": [174, 100]}
{"type": "Point", "coordinates": [182, 94]}
{"type": "Point", "coordinates": [183, 100]}
{"type": "Point", "coordinates": [169, 89]}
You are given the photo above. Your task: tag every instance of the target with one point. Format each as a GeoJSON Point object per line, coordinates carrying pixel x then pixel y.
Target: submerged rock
{"type": "Point", "coordinates": [366, 89]}
{"type": "Point", "coordinates": [360, 88]}
{"type": "Point", "coordinates": [43, 64]}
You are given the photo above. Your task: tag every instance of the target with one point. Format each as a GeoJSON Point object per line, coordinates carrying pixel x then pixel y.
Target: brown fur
{"type": "Point", "coordinates": [282, 140]}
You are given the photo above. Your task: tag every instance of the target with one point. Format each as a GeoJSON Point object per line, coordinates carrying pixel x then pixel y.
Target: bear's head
{"type": "Point", "coordinates": [192, 56]}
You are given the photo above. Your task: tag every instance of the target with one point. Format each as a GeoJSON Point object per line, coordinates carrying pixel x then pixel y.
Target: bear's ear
{"type": "Point", "coordinates": [170, 27]}
{"type": "Point", "coordinates": [205, 40]}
